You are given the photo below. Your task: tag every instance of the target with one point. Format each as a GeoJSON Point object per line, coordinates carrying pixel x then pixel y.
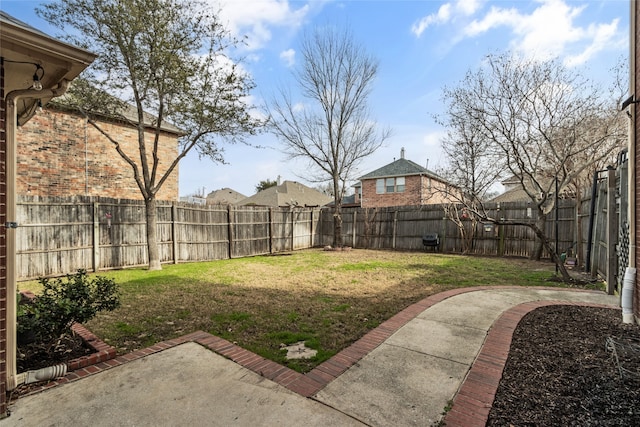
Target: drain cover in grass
{"type": "Point", "coordinates": [299, 351]}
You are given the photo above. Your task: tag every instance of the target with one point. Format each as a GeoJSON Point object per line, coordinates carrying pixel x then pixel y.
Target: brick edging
{"type": "Point", "coordinates": [305, 385]}
{"type": "Point", "coordinates": [473, 401]}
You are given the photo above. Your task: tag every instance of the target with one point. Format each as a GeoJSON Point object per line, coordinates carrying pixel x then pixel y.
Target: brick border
{"type": "Point", "coordinates": [474, 399]}
{"type": "Point", "coordinates": [312, 382]}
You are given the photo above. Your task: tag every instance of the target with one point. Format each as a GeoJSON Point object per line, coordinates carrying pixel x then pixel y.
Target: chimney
{"type": "Point", "coordinates": [402, 153]}
{"type": "Point", "coordinates": [278, 180]}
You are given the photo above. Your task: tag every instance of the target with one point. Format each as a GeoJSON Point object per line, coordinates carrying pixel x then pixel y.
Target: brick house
{"type": "Point", "coordinates": [63, 155]}
{"type": "Point", "coordinates": [401, 183]}
{"type": "Point", "coordinates": [34, 68]}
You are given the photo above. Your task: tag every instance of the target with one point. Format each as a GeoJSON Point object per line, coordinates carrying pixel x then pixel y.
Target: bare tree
{"type": "Point", "coordinates": [548, 124]}
{"type": "Point", "coordinates": [473, 166]}
{"type": "Point", "coordinates": [331, 127]}
{"type": "Point", "coordinates": [169, 60]}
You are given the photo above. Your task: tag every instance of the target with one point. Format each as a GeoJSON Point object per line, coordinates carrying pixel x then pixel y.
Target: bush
{"type": "Point", "coordinates": [63, 301]}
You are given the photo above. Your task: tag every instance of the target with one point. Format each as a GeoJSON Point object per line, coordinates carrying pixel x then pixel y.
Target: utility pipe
{"type": "Point", "coordinates": [11, 221]}
{"type": "Point", "coordinates": [631, 187]}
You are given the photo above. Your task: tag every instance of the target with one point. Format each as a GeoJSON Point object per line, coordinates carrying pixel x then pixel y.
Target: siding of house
{"type": "Point", "coordinates": [60, 154]}
{"type": "Point", "coordinates": [3, 250]}
{"type": "Point", "coordinates": [433, 191]}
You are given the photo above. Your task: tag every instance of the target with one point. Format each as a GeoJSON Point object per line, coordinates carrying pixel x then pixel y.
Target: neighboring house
{"type": "Point", "coordinates": [33, 69]}
{"type": "Point", "coordinates": [287, 194]}
{"type": "Point", "coordinates": [402, 183]}
{"type": "Point", "coordinates": [194, 200]}
{"type": "Point", "coordinates": [514, 191]}
{"type": "Point", "coordinates": [64, 155]}
{"type": "Point", "coordinates": [225, 196]}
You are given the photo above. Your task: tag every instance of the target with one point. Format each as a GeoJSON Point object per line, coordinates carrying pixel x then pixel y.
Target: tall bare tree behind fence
{"type": "Point", "coordinates": [57, 236]}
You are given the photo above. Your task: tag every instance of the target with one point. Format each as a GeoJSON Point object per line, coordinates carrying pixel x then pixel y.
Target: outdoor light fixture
{"type": "Point", "coordinates": [37, 79]}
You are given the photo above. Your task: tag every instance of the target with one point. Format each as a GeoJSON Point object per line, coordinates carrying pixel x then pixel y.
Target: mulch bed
{"type": "Point", "coordinates": [34, 356]}
{"type": "Point", "coordinates": [561, 370]}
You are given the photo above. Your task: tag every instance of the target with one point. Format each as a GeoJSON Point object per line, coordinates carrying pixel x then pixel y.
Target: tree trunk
{"type": "Point", "coordinates": [544, 241]}
{"type": "Point", "coordinates": [337, 227]}
{"type": "Point", "coordinates": [152, 237]}
{"type": "Point", "coordinates": [539, 245]}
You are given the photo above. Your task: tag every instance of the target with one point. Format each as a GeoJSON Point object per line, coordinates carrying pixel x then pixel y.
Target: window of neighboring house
{"type": "Point", "coordinates": [390, 185]}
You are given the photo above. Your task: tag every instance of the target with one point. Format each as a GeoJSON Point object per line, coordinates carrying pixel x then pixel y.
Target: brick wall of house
{"type": "Point", "coordinates": [419, 190]}
{"type": "Point", "coordinates": [3, 249]}
{"type": "Point", "coordinates": [60, 154]}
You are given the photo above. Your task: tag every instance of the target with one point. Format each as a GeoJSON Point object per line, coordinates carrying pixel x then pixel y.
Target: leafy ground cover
{"type": "Point", "coordinates": [328, 299]}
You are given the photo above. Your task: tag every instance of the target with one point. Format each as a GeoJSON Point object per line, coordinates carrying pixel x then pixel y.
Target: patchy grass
{"type": "Point", "coordinates": [327, 299]}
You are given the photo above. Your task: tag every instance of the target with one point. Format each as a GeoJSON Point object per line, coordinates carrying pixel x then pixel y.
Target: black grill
{"type": "Point", "coordinates": [431, 240]}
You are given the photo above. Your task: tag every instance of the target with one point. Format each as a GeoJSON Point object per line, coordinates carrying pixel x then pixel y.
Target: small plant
{"type": "Point", "coordinates": [63, 301]}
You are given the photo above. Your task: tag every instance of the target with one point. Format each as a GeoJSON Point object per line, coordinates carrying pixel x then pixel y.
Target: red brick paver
{"type": "Point", "coordinates": [470, 407]}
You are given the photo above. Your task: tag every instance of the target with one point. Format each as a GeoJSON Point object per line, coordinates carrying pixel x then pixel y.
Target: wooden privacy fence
{"type": "Point", "coordinates": [57, 236]}
{"type": "Point", "coordinates": [402, 228]}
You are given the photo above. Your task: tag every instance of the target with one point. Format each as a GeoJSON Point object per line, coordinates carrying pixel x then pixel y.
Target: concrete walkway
{"type": "Point", "coordinates": [403, 373]}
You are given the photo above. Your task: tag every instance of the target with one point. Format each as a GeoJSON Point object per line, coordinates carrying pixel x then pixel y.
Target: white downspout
{"type": "Point", "coordinates": [629, 281]}
{"type": "Point", "coordinates": [13, 380]}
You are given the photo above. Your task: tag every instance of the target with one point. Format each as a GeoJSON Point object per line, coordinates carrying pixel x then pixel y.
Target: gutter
{"type": "Point", "coordinates": [11, 224]}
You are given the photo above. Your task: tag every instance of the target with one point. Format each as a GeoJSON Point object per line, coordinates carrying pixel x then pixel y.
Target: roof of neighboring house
{"type": "Point", "coordinates": [347, 201]}
{"type": "Point", "coordinates": [121, 111]}
{"type": "Point", "coordinates": [401, 167]}
{"type": "Point", "coordinates": [513, 195]}
{"type": "Point", "coordinates": [225, 196]}
{"type": "Point", "coordinates": [289, 193]}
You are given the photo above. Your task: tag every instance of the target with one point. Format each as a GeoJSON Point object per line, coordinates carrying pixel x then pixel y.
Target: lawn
{"type": "Point", "coordinates": [328, 299]}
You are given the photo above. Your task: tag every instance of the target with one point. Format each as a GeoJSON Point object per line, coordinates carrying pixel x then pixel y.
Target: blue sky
{"type": "Point", "coordinates": [421, 45]}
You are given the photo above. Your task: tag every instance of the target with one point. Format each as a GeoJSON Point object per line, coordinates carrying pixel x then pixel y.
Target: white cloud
{"type": "Point", "coordinates": [288, 56]}
{"type": "Point", "coordinates": [256, 18]}
{"type": "Point", "coordinates": [446, 13]}
{"type": "Point", "coordinates": [550, 30]}
{"type": "Point", "coordinates": [603, 36]}
{"type": "Point", "coordinates": [442, 16]}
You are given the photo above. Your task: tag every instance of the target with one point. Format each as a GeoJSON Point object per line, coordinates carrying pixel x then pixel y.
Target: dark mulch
{"type": "Point", "coordinates": [561, 373]}
{"type": "Point", "coordinates": [36, 355]}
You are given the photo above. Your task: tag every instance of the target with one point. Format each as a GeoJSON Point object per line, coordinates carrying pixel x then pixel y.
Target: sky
{"type": "Point", "coordinates": [422, 46]}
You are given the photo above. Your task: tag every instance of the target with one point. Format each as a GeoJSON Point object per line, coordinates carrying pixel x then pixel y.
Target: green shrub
{"type": "Point", "coordinates": [63, 301]}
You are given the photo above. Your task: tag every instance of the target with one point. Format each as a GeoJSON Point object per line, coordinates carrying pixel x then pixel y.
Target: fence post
{"type": "Point", "coordinates": [311, 228]}
{"type": "Point", "coordinates": [96, 238]}
{"type": "Point", "coordinates": [355, 221]}
{"type": "Point", "coordinates": [293, 226]}
{"type": "Point", "coordinates": [230, 229]}
{"type": "Point", "coordinates": [174, 232]}
{"type": "Point", "coordinates": [612, 232]}
{"type": "Point", "coordinates": [271, 228]}
{"type": "Point", "coordinates": [394, 230]}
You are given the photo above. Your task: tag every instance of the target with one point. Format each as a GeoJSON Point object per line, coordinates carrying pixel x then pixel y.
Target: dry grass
{"type": "Point", "coordinates": [328, 299]}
